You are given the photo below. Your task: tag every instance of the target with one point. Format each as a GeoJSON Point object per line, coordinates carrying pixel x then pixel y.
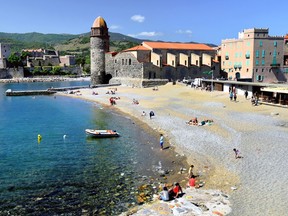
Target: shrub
{"type": "Point", "coordinates": [56, 70]}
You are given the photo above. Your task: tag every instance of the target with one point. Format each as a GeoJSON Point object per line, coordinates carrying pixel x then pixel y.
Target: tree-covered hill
{"type": "Point", "coordinates": [65, 43]}
{"type": "Point", "coordinates": [38, 37]}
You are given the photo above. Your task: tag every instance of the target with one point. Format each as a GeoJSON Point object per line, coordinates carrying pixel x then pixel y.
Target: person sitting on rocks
{"type": "Point", "coordinates": [175, 191]}
{"type": "Point", "coordinates": [164, 194]}
{"type": "Point", "coordinates": [191, 182]}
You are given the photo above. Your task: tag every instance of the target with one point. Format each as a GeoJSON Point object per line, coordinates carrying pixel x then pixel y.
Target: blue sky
{"type": "Point", "coordinates": [207, 21]}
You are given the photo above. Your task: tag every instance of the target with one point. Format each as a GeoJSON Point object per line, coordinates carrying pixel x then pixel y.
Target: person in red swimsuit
{"type": "Point", "coordinates": [191, 182]}
{"type": "Point", "coordinates": [175, 191]}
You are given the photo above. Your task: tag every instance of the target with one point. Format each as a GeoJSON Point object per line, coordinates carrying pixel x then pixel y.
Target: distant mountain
{"type": "Point", "coordinates": [62, 42]}
{"type": "Point", "coordinates": [66, 43]}
{"type": "Point", "coordinates": [38, 37]}
{"type": "Point", "coordinates": [59, 38]}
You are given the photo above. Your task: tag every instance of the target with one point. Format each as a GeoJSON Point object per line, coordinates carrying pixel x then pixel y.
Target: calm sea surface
{"type": "Point", "coordinates": [70, 175]}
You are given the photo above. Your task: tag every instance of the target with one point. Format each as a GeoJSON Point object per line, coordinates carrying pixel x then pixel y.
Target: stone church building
{"type": "Point", "coordinates": [149, 64]}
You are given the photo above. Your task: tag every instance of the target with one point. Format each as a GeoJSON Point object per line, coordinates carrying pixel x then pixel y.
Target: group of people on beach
{"type": "Point", "coordinates": [112, 100]}
{"type": "Point", "coordinates": [151, 114]}
{"type": "Point", "coordinates": [194, 121]}
{"type": "Point", "coordinates": [176, 191]}
{"type": "Point", "coordinates": [232, 93]}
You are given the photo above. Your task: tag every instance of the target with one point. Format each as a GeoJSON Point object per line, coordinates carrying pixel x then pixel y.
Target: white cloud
{"type": "Point", "coordinates": [146, 34]}
{"type": "Point", "coordinates": [138, 18]}
{"type": "Point", "coordinates": [114, 27]}
{"type": "Point", "coordinates": [184, 32]}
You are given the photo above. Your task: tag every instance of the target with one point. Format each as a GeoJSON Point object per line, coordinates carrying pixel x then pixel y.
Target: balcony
{"type": "Point", "coordinates": [237, 66]}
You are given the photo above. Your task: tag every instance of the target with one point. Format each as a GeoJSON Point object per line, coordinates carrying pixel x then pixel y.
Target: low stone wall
{"type": "Point", "coordinates": [43, 79]}
{"type": "Point", "coordinates": [138, 83]}
{"type": "Point", "coordinates": [9, 73]}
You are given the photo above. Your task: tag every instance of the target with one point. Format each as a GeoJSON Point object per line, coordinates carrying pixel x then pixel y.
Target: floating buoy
{"type": "Point", "coordinates": [64, 136]}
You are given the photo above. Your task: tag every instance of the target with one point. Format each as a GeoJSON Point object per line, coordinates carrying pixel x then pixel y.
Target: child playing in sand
{"type": "Point", "coordinates": [237, 153]}
{"type": "Point", "coordinates": [190, 171]}
{"type": "Point", "coordinates": [192, 182]}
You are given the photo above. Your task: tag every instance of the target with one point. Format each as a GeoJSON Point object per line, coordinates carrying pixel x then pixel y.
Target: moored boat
{"type": "Point", "coordinates": [102, 133]}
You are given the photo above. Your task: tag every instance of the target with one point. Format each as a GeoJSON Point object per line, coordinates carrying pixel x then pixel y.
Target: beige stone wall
{"type": "Point", "coordinates": [156, 59]}
{"type": "Point", "coordinates": [67, 60]}
{"type": "Point", "coordinates": [195, 59]}
{"type": "Point", "coordinates": [171, 59]}
{"type": "Point", "coordinates": [206, 59]}
{"type": "Point", "coordinates": [183, 59]}
{"type": "Point", "coordinates": [143, 55]}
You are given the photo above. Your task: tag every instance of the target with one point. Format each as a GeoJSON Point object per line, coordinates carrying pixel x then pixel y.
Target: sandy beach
{"type": "Point", "coordinates": [256, 183]}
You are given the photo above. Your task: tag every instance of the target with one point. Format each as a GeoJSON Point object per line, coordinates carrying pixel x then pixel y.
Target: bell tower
{"type": "Point", "coordinates": [99, 45]}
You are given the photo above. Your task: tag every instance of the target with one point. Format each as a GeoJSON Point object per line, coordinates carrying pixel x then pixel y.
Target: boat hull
{"type": "Point", "coordinates": [102, 133]}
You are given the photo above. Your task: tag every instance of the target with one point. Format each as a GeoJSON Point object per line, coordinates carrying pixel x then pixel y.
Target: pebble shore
{"type": "Point", "coordinates": [252, 185]}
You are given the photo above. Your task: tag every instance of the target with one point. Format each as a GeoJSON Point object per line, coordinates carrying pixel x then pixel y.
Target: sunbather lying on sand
{"type": "Point", "coordinates": [193, 121]}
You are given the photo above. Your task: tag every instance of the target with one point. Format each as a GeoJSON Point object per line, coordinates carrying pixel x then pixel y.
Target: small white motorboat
{"type": "Point", "coordinates": [102, 133]}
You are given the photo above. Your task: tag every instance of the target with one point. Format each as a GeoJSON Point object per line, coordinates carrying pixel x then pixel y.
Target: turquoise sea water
{"type": "Point", "coordinates": [70, 175]}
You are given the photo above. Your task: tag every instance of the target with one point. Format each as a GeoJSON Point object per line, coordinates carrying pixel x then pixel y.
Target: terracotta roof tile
{"type": "Point", "coordinates": [178, 46]}
{"type": "Point", "coordinates": [137, 48]}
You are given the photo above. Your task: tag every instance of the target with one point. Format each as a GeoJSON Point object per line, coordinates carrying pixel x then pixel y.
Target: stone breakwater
{"type": "Point", "coordinates": [43, 79]}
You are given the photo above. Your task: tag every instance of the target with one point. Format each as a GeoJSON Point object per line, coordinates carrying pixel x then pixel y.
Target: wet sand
{"type": "Point", "coordinates": [260, 133]}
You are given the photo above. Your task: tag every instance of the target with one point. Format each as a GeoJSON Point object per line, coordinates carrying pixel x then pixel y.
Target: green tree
{"type": "Point", "coordinates": [80, 60]}
{"type": "Point", "coordinates": [24, 55]}
{"type": "Point", "coordinates": [14, 60]}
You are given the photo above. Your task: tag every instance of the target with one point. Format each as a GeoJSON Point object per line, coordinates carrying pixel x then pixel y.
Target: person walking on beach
{"type": "Point", "coordinates": [161, 141]}
{"type": "Point", "coordinates": [246, 94]}
{"type": "Point", "coordinates": [235, 96]}
{"type": "Point", "coordinates": [151, 114]}
{"type": "Point", "coordinates": [231, 95]}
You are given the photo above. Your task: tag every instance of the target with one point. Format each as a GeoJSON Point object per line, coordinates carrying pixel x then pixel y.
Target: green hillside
{"type": "Point", "coordinates": [38, 37]}
{"type": "Point", "coordinates": [65, 43]}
